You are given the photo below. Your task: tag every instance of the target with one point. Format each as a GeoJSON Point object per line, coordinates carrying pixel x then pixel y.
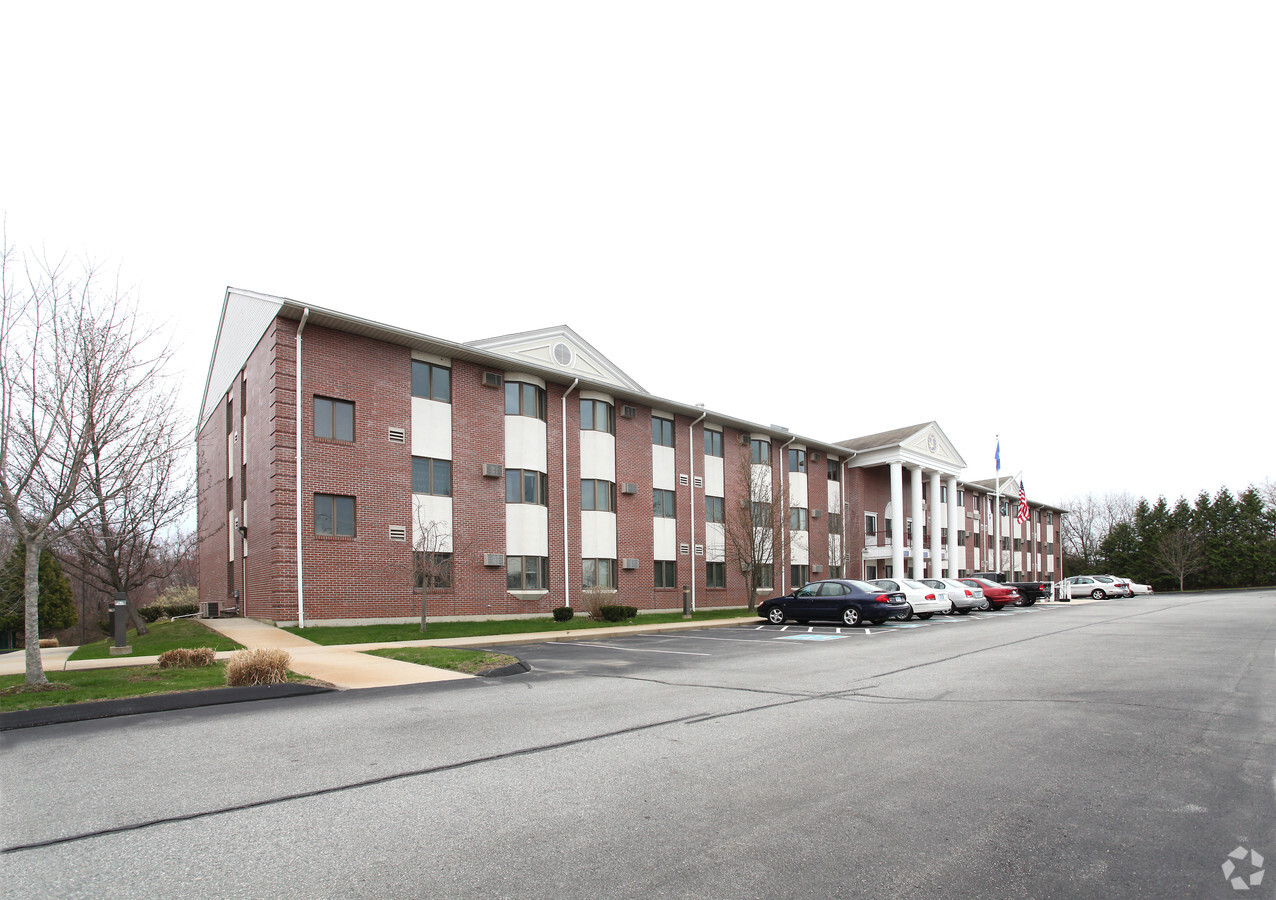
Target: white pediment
{"type": "Point", "coordinates": [932, 443]}
{"type": "Point", "coordinates": [559, 348]}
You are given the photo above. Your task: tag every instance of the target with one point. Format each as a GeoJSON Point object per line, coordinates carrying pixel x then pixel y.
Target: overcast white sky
{"type": "Point", "coordinates": [1055, 222]}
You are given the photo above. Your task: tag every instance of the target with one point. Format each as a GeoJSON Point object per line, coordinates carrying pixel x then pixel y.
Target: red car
{"type": "Point", "coordinates": [995, 595]}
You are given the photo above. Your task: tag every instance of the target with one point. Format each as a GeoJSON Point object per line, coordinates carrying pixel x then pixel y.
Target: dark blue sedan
{"type": "Point", "coordinates": [838, 600]}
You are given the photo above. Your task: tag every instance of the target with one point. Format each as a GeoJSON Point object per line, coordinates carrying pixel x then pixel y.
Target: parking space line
{"type": "Point", "coordinates": [638, 649]}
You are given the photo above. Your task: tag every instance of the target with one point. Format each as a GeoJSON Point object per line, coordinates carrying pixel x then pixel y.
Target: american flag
{"type": "Point", "coordinates": [1023, 505]}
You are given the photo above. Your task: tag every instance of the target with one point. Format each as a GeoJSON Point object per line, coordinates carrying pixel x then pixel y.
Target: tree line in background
{"type": "Point", "coordinates": [94, 472]}
{"type": "Point", "coordinates": [1220, 541]}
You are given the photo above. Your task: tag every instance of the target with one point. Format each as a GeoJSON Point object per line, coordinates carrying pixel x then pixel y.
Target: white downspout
{"type": "Point", "coordinates": [567, 582]}
{"type": "Point", "coordinates": [301, 592]}
{"type": "Point", "coordinates": [691, 464]}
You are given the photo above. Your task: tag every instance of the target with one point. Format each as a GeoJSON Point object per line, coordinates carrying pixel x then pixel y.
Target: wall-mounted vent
{"type": "Point", "coordinates": [697, 482]}
{"type": "Point", "coordinates": [816, 513]}
{"type": "Point", "coordinates": [398, 533]}
{"type": "Point", "coordinates": [398, 436]}
{"type": "Point", "coordinates": [629, 564]}
{"type": "Point", "coordinates": [699, 549]}
{"type": "Point", "coordinates": [492, 470]}
{"type": "Point", "coordinates": [493, 379]}
{"type": "Point", "coordinates": [685, 549]}
{"type": "Point", "coordinates": [493, 559]}
{"type": "Point", "coordinates": [628, 412]}
{"type": "Point", "coordinates": [682, 480]}
{"type": "Point", "coordinates": [628, 487]}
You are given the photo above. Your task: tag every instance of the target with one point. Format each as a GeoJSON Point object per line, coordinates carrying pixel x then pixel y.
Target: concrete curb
{"type": "Point", "coordinates": [132, 706]}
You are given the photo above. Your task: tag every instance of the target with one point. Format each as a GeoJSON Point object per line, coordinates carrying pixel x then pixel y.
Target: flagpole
{"type": "Point", "coordinates": [996, 509]}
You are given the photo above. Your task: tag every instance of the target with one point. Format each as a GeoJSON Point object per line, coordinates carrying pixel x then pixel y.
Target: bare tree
{"type": "Point", "coordinates": [1178, 553]}
{"type": "Point", "coordinates": [73, 359]}
{"type": "Point", "coordinates": [752, 523]}
{"type": "Point", "coordinates": [435, 547]}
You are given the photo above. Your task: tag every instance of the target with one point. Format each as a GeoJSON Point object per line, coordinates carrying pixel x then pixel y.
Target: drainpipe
{"type": "Point", "coordinates": [691, 465]}
{"type": "Point", "coordinates": [301, 593]}
{"type": "Point", "coordinates": [567, 582]}
{"type": "Point", "coordinates": [846, 477]}
{"type": "Point", "coordinates": [784, 515]}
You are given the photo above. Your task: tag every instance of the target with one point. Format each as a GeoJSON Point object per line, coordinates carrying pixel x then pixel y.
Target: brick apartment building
{"type": "Point", "coordinates": [504, 476]}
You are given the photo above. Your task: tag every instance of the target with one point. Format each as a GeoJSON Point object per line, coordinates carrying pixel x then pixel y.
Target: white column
{"type": "Point", "coordinates": [897, 525]}
{"type": "Point", "coordinates": [955, 521]}
{"type": "Point", "coordinates": [915, 475]}
{"type": "Point", "coordinates": [936, 557]}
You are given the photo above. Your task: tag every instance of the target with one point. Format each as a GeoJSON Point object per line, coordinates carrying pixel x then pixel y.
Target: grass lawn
{"type": "Point", "coordinates": [329, 635]}
{"type": "Point", "coordinates": [163, 636]}
{"type": "Point", "coordinates": [469, 661]}
{"type": "Point", "coordinates": [114, 684]}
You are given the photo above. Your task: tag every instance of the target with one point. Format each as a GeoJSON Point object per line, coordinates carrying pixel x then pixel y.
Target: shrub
{"type": "Point", "coordinates": [48, 642]}
{"type": "Point", "coordinates": [563, 613]}
{"type": "Point", "coordinates": [178, 602]}
{"type": "Point", "coordinates": [612, 613]}
{"type": "Point", "coordinates": [594, 599]}
{"type": "Point", "coordinates": [260, 666]}
{"type": "Point", "coordinates": [186, 658]}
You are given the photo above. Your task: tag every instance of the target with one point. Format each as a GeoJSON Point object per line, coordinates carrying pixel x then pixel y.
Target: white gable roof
{"type": "Point", "coordinates": [559, 347]}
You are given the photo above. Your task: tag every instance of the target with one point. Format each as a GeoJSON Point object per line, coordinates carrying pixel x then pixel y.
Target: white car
{"type": "Point", "coordinates": [1140, 588]}
{"type": "Point", "coordinates": [1122, 585]}
{"type": "Point", "coordinates": [923, 600]}
{"type": "Point", "coordinates": [1091, 586]}
{"type": "Point", "coordinates": [961, 597]}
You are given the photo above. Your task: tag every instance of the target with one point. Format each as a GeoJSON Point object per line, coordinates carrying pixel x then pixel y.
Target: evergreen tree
{"type": "Point", "coordinates": [57, 605]}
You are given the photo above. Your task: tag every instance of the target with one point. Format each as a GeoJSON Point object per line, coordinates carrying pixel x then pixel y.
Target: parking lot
{"type": "Point", "coordinates": [681, 649]}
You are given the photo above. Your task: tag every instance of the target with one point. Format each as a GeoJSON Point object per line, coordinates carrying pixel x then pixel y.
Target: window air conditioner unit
{"type": "Point", "coordinates": [210, 609]}
{"type": "Point", "coordinates": [628, 487]}
{"type": "Point", "coordinates": [493, 559]}
{"type": "Point", "coordinates": [628, 412]}
{"type": "Point", "coordinates": [744, 440]}
{"type": "Point", "coordinates": [816, 570]}
{"type": "Point", "coordinates": [493, 379]}
{"type": "Point", "coordinates": [492, 470]}
{"type": "Point", "coordinates": [398, 436]}
{"type": "Point", "coordinates": [629, 564]}
{"type": "Point", "coordinates": [815, 456]}
{"type": "Point", "coordinates": [816, 513]}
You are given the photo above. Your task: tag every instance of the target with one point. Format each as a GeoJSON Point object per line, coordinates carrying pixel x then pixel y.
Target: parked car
{"type": "Point", "coordinates": [848, 602]}
{"type": "Point", "coordinates": [1140, 588]}
{"type": "Point", "coordinates": [962, 599]}
{"type": "Point", "coordinates": [1122, 583]}
{"type": "Point", "coordinates": [1100, 587]}
{"type": "Point", "coordinates": [995, 595]}
{"type": "Point", "coordinates": [1029, 591]}
{"type": "Point", "coordinates": [923, 600]}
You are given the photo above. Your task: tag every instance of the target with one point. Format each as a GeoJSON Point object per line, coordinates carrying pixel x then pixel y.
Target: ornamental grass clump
{"type": "Point", "coordinates": [260, 666]}
{"type": "Point", "coordinates": [186, 658]}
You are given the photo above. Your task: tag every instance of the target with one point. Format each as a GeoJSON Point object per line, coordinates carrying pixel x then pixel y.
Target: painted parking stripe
{"type": "Point", "coordinates": [638, 649]}
{"type": "Point", "coordinates": [810, 637]}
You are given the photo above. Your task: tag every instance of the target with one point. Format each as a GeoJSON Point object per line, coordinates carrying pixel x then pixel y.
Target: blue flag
{"type": "Point", "coordinates": [998, 455]}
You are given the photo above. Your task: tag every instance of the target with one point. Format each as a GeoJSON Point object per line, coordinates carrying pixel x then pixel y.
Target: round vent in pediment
{"type": "Point", "coordinates": [563, 354]}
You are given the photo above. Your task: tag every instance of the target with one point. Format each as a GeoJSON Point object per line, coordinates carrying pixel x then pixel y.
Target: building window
{"type": "Point", "coordinates": [835, 571]}
{"type": "Point", "coordinates": [600, 573]}
{"type": "Point", "coordinates": [712, 443]}
{"type": "Point", "coordinates": [526, 573]}
{"type": "Point", "coordinates": [799, 575]}
{"type": "Point", "coordinates": [433, 571]}
{"type": "Point", "coordinates": [715, 510]}
{"type": "Point", "coordinates": [760, 452]}
{"type": "Point", "coordinates": [943, 493]}
{"type": "Point", "coordinates": [526, 486]}
{"type": "Point", "coordinates": [715, 575]}
{"type": "Point", "coordinates": [662, 504]}
{"type": "Point", "coordinates": [597, 495]}
{"type": "Point", "coordinates": [597, 415]}
{"type": "Point", "coordinates": [334, 515]}
{"type": "Point", "coordinates": [764, 578]}
{"type": "Point", "coordinates": [334, 419]}
{"type": "Point", "coordinates": [761, 514]}
{"type": "Point", "coordinates": [835, 523]}
{"type": "Point", "coordinates": [961, 498]}
{"type": "Point", "coordinates": [431, 382]}
{"type": "Point", "coordinates": [835, 470]}
{"type": "Point", "coordinates": [432, 476]}
{"type": "Point", "coordinates": [908, 528]}
{"type": "Point", "coordinates": [662, 431]}
{"type": "Point", "coordinates": [666, 573]}
{"type": "Point", "coordinates": [870, 523]}
{"type": "Point", "coordinates": [522, 399]}
{"type": "Point", "coordinates": [870, 571]}
{"type": "Point", "coordinates": [797, 460]}
{"type": "Point", "coordinates": [798, 519]}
